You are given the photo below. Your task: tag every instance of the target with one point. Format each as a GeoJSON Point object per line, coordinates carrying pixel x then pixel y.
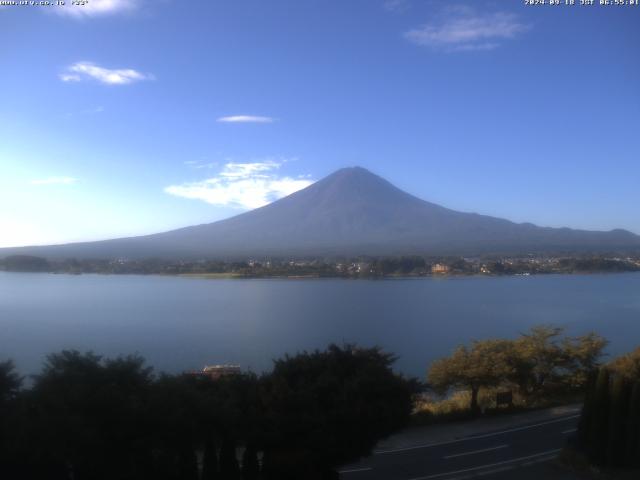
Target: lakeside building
{"type": "Point", "coordinates": [218, 371]}
{"type": "Point", "coordinates": [440, 268]}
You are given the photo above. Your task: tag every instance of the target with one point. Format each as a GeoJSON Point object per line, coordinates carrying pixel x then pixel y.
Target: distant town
{"type": "Point", "coordinates": [360, 267]}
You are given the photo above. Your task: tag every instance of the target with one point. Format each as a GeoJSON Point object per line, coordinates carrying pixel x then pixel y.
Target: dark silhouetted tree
{"type": "Point", "coordinates": [89, 414]}
{"type": "Point", "coordinates": [210, 460]}
{"type": "Point", "coordinates": [619, 409]}
{"type": "Point", "coordinates": [598, 430]}
{"type": "Point", "coordinates": [327, 408]}
{"type": "Point", "coordinates": [250, 465]}
{"type": "Point", "coordinates": [632, 448]}
{"type": "Point", "coordinates": [10, 382]}
{"type": "Point", "coordinates": [10, 419]}
{"type": "Point", "coordinates": [229, 468]}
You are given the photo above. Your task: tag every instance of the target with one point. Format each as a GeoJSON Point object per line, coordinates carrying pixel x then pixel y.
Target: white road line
{"type": "Point", "coordinates": [490, 465]}
{"type": "Point", "coordinates": [476, 451]}
{"type": "Point", "coordinates": [490, 472]}
{"type": "Point", "coordinates": [354, 470]}
{"type": "Point", "coordinates": [475, 437]}
{"type": "Point", "coordinates": [571, 430]}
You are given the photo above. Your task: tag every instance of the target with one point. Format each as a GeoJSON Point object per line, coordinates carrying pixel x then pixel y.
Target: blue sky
{"type": "Point", "coordinates": [131, 117]}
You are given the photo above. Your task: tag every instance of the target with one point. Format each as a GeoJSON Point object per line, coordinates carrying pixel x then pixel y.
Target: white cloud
{"type": "Point", "coordinates": [54, 181]}
{"type": "Point", "coordinates": [245, 119]}
{"type": "Point", "coordinates": [463, 29]}
{"type": "Point", "coordinates": [70, 77]}
{"type": "Point", "coordinates": [95, 8]}
{"type": "Point", "coordinates": [242, 185]}
{"type": "Point", "coordinates": [249, 170]}
{"type": "Point", "coordinates": [90, 71]}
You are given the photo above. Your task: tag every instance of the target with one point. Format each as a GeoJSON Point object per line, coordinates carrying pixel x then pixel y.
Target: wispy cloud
{"type": "Point", "coordinates": [200, 164]}
{"type": "Point", "coordinates": [96, 8]}
{"type": "Point", "coordinates": [242, 185]}
{"type": "Point", "coordinates": [205, 165]}
{"type": "Point", "coordinates": [89, 111]}
{"type": "Point", "coordinates": [90, 71]}
{"type": "Point", "coordinates": [395, 5]}
{"type": "Point", "coordinates": [54, 181]}
{"type": "Point", "coordinates": [464, 29]}
{"type": "Point", "coordinates": [246, 119]}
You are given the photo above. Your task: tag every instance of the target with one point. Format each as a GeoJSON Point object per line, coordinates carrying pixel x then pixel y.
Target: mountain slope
{"type": "Point", "coordinates": [350, 212]}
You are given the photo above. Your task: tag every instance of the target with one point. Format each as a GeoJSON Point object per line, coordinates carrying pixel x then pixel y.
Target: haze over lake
{"type": "Point", "coordinates": [185, 323]}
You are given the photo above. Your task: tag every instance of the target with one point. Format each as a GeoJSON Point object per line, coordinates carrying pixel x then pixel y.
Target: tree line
{"type": "Point", "coordinates": [355, 267]}
{"type": "Point", "coordinates": [538, 364]}
{"type": "Point", "coordinates": [88, 417]}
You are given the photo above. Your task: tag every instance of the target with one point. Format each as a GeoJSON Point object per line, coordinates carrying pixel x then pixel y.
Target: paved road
{"type": "Point", "coordinates": [489, 454]}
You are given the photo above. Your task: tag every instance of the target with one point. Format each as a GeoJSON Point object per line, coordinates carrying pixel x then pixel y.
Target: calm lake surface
{"type": "Point", "coordinates": [185, 323]}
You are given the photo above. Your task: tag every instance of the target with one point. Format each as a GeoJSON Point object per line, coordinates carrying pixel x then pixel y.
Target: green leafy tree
{"type": "Point", "coordinates": [539, 363]}
{"type": "Point", "coordinates": [483, 365]}
{"type": "Point", "coordinates": [538, 357]}
{"type": "Point", "coordinates": [582, 357]}
{"type": "Point", "coordinates": [627, 365]}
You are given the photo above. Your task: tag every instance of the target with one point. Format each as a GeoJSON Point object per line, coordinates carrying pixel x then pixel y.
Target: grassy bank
{"type": "Point", "coordinates": [430, 409]}
{"type": "Point", "coordinates": [212, 275]}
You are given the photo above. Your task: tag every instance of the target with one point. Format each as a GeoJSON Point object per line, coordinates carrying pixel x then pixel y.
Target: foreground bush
{"type": "Point", "coordinates": [328, 408]}
{"type": "Point", "coordinates": [91, 418]}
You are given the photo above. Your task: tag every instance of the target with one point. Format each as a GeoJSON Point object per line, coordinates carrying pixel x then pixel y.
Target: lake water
{"type": "Point", "coordinates": [185, 323]}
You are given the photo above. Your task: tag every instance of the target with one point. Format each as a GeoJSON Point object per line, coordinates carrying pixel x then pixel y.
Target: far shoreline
{"type": "Point", "coordinates": [360, 267]}
{"type": "Point", "coordinates": [238, 276]}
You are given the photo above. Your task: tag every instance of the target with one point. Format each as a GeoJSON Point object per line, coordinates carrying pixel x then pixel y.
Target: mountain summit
{"type": "Point", "coordinates": [350, 212]}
